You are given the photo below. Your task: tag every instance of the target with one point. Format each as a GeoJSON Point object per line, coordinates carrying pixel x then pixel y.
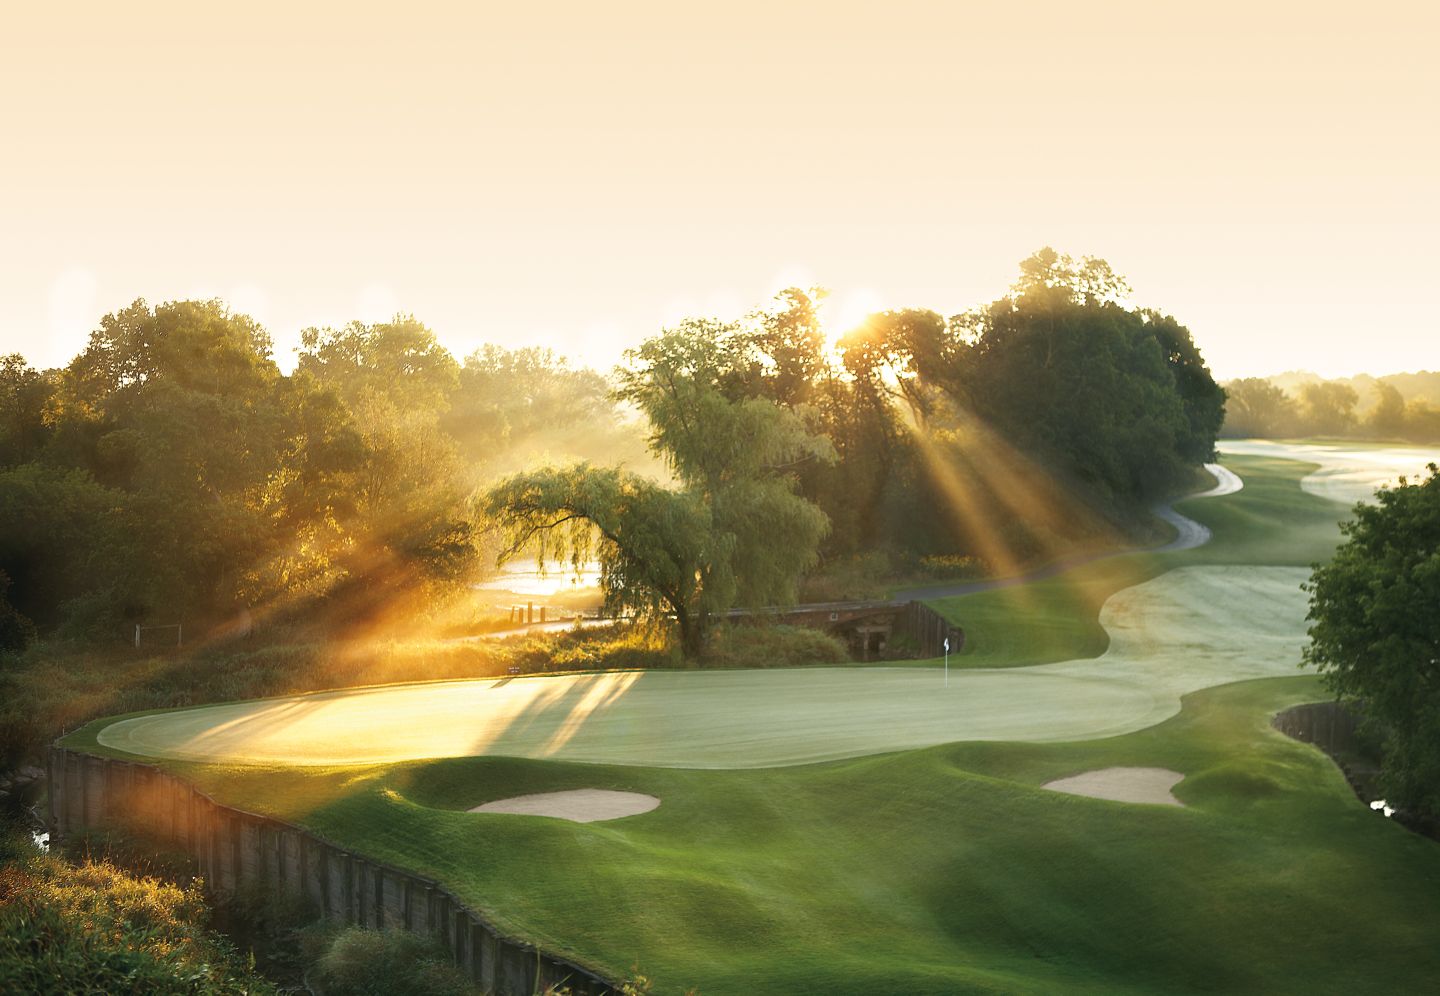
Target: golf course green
{"type": "Point", "coordinates": [871, 830]}
{"type": "Point", "coordinates": [1187, 629]}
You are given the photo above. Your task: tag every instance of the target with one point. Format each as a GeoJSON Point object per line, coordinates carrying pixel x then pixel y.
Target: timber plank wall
{"type": "Point", "coordinates": [232, 848]}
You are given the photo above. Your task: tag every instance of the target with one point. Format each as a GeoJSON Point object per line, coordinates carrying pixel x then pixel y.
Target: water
{"type": "Point", "coordinates": [522, 577]}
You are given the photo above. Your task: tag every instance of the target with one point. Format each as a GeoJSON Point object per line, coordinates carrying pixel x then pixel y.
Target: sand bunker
{"type": "Point", "coordinates": [1151, 785]}
{"type": "Point", "coordinates": [578, 805]}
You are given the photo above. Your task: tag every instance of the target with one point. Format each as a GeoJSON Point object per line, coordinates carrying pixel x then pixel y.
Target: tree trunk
{"type": "Point", "coordinates": [692, 633]}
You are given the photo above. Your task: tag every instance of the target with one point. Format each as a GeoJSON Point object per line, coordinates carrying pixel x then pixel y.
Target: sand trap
{"type": "Point", "coordinates": [578, 805]}
{"type": "Point", "coordinates": [1151, 785]}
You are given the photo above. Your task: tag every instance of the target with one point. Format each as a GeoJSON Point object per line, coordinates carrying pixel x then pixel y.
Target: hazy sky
{"type": "Point", "coordinates": [576, 175]}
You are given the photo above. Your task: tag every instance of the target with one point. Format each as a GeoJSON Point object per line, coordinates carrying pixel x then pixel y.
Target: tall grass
{"type": "Point", "coordinates": [95, 928]}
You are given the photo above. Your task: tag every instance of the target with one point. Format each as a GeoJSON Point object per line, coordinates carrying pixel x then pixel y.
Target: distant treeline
{"type": "Point", "coordinates": [172, 472]}
{"type": "Point", "coordinates": [1400, 406]}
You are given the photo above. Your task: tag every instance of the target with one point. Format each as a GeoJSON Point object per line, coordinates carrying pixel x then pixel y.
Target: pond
{"type": "Point", "coordinates": [524, 577]}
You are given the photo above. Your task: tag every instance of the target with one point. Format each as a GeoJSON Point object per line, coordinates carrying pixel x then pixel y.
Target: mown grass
{"type": "Point", "coordinates": [941, 870]}
{"type": "Point", "coordinates": [949, 869]}
{"type": "Point", "coordinates": [1270, 522]}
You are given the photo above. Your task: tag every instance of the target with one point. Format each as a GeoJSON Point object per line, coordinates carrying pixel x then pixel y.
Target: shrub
{"type": "Point", "coordinates": [358, 961]}
{"type": "Point", "coordinates": [94, 928]}
{"type": "Point", "coordinates": [773, 646]}
{"type": "Point", "coordinates": [960, 567]}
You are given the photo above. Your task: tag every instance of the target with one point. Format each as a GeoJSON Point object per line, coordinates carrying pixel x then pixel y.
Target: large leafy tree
{"type": "Point", "coordinates": [409, 525]}
{"type": "Point", "coordinates": [734, 531]}
{"type": "Point", "coordinates": [1375, 637]}
{"type": "Point", "coordinates": [24, 394]}
{"type": "Point", "coordinates": [177, 408]}
{"type": "Point", "coordinates": [1256, 407]}
{"type": "Point", "coordinates": [1328, 408]}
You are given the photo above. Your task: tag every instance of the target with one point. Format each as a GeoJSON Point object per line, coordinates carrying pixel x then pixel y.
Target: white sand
{"type": "Point", "coordinates": [578, 805]}
{"type": "Point", "coordinates": [1151, 785]}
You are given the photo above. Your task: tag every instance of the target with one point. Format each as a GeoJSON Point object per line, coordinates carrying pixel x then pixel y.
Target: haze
{"type": "Point", "coordinates": [577, 175]}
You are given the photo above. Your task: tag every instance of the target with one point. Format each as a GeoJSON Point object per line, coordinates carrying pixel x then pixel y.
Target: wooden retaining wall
{"type": "Point", "coordinates": [1329, 725]}
{"type": "Point", "coordinates": [929, 629]}
{"type": "Point", "coordinates": [233, 848]}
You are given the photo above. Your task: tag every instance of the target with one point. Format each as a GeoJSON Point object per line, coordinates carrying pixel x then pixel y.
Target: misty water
{"type": "Point", "coordinates": [524, 577]}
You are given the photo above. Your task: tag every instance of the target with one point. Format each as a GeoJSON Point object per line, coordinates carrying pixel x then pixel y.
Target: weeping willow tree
{"type": "Point", "coordinates": [734, 532]}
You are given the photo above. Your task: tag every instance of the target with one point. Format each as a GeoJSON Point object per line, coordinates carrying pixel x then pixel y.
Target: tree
{"type": "Point", "coordinates": [1118, 400]}
{"type": "Point", "coordinates": [16, 631]}
{"type": "Point", "coordinates": [1256, 407]}
{"type": "Point", "coordinates": [410, 531]}
{"type": "Point", "coordinates": [1376, 632]}
{"type": "Point", "coordinates": [1328, 408]}
{"type": "Point", "coordinates": [656, 547]}
{"type": "Point", "coordinates": [24, 394]}
{"type": "Point", "coordinates": [1387, 418]}
{"type": "Point", "coordinates": [734, 532]}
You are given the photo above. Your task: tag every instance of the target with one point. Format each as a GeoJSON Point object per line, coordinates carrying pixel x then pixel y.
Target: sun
{"type": "Point", "coordinates": [843, 311]}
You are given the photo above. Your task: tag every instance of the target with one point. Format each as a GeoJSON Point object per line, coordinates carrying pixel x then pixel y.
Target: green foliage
{"type": "Point", "coordinates": [1328, 409]}
{"type": "Point", "coordinates": [1376, 632]}
{"type": "Point", "coordinates": [521, 408]}
{"type": "Point", "coordinates": [1396, 407]}
{"type": "Point", "coordinates": [1118, 399]}
{"type": "Point", "coordinates": [960, 567]}
{"type": "Point", "coordinates": [357, 961]}
{"type": "Point", "coordinates": [734, 532]}
{"type": "Point", "coordinates": [1256, 407]}
{"type": "Point", "coordinates": [940, 870]}
{"type": "Point", "coordinates": [94, 928]}
{"type": "Point", "coordinates": [24, 395]}
{"type": "Point", "coordinates": [16, 631]}
{"type": "Point", "coordinates": [62, 536]}
{"type": "Point", "coordinates": [761, 645]}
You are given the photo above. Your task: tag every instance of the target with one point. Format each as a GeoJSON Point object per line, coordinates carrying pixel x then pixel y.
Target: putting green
{"type": "Point", "coordinates": [1348, 472]}
{"type": "Point", "coordinates": [1188, 629]}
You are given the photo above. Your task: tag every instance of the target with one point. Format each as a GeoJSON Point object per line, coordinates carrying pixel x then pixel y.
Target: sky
{"type": "Point", "coordinates": [578, 175]}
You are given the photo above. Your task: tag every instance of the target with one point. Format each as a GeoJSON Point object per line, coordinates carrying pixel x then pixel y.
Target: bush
{"type": "Point", "coordinates": [849, 579]}
{"type": "Point", "coordinates": [93, 928]}
{"type": "Point", "coordinates": [960, 567]}
{"type": "Point", "coordinates": [358, 961]}
{"type": "Point", "coordinates": [773, 646]}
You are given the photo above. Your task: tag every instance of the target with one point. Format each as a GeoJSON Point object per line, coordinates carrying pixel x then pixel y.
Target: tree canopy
{"type": "Point", "coordinates": [734, 531]}
{"type": "Point", "coordinates": [1376, 631]}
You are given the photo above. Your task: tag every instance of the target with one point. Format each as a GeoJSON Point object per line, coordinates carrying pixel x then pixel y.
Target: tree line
{"type": "Point", "coordinates": [173, 470]}
{"type": "Point", "coordinates": [1045, 417]}
{"type": "Point", "coordinates": [1258, 406]}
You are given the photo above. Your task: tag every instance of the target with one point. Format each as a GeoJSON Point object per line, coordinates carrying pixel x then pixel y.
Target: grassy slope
{"type": "Point", "coordinates": [942, 870]}
{"type": "Point", "coordinates": [1270, 522]}
{"type": "Point", "coordinates": [947, 869]}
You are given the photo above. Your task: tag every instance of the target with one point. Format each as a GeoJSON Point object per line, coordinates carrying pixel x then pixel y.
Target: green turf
{"type": "Point", "coordinates": [1271, 521]}
{"type": "Point", "coordinates": [1190, 628]}
{"type": "Point", "coordinates": [943, 870]}
{"type": "Point", "coordinates": [948, 869]}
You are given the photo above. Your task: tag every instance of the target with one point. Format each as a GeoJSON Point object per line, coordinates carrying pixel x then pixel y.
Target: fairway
{"type": "Point", "coordinates": [1186, 630]}
{"type": "Point", "coordinates": [1347, 472]}
{"type": "Point", "coordinates": [890, 869]}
